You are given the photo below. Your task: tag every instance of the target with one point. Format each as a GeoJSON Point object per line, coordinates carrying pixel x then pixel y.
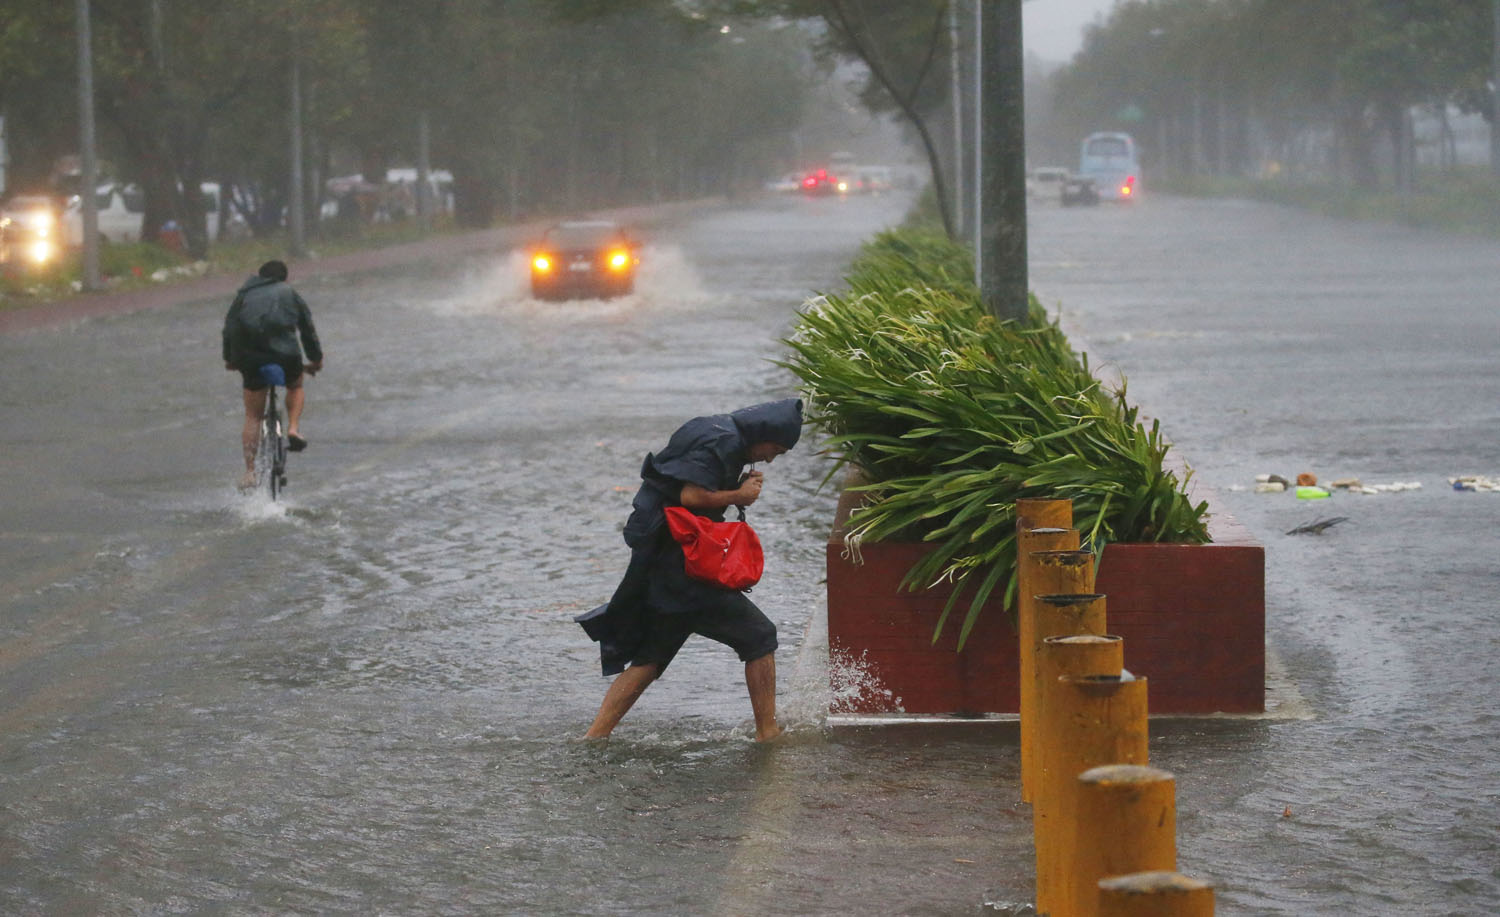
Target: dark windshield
{"type": "Point", "coordinates": [1108, 147]}
{"type": "Point", "coordinates": [583, 235]}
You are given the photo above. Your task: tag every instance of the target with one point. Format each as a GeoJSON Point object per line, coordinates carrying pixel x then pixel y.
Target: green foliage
{"type": "Point", "coordinates": [1226, 85]}
{"type": "Point", "coordinates": [952, 416]}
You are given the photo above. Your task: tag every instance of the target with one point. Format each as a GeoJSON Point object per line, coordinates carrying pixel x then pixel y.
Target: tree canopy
{"type": "Point", "coordinates": [1239, 86]}
{"type": "Point", "coordinates": [533, 105]}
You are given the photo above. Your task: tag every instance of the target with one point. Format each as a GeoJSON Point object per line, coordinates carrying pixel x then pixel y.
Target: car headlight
{"type": "Point", "coordinates": [619, 260]}
{"type": "Point", "coordinates": [541, 264]}
{"type": "Point", "coordinates": [40, 222]}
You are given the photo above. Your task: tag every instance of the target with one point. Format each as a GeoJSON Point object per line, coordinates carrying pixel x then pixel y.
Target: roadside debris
{"type": "Point", "coordinates": [1307, 485]}
{"type": "Point", "coordinates": [1476, 482]}
{"type": "Point", "coordinates": [1319, 527]}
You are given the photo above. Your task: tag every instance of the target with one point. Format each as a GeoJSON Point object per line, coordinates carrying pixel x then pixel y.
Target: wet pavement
{"type": "Point", "coordinates": [367, 698]}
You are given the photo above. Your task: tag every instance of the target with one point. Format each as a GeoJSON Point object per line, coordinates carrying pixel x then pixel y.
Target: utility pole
{"type": "Point", "coordinates": [424, 170]}
{"type": "Point", "coordinates": [298, 246]}
{"type": "Point", "coordinates": [1495, 91]}
{"type": "Point", "coordinates": [956, 97]}
{"type": "Point", "coordinates": [89, 164]}
{"type": "Point", "coordinates": [1002, 179]}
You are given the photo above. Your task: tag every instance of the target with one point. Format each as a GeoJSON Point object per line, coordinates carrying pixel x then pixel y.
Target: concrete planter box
{"type": "Point", "coordinates": [1193, 619]}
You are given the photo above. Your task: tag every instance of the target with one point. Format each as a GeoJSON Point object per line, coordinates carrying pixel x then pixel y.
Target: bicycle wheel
{"type": "Point", "coordinates": [276, 477]}
{"type": "Point", "coordinates": [265, 453]}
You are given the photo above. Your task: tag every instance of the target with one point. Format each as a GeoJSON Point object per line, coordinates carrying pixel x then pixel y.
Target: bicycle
{"type": "Point", "coordinates": [271, 451]}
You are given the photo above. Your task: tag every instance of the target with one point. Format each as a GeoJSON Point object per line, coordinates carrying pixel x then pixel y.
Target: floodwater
{"type": "Point", "coordinates": [368, 698]}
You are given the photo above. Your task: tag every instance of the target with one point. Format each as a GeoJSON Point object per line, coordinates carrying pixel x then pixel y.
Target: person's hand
{"type": "Point", "coordinates": [749, 490]}
{"type": "Point", "coordinates": [312, 368]}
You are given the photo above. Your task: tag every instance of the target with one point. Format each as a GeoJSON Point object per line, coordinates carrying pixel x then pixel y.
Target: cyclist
{"type": "Point", "coordinates": [262, 327]}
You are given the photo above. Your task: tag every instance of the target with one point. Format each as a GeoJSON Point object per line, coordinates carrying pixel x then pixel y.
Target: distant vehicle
{"type": "Point", "coordinates": [789, 182]}
{"type": "Point", "coordinates": [1110, 160]}
{"type": "Point", "coordinates": [873, 179]}
{"type": "Point", "coordinates": [1046, 182]}
{"type": "Point", "coordinates": [821, 181]}
{"type": "Point", "coordinates": [595, 258]}
{"type": "Point", "coordinates": [31, 232]}
{"type": "Point", "coordinates": [1077, 190]}
{"type": "Point", "coordinates": [122, 208]}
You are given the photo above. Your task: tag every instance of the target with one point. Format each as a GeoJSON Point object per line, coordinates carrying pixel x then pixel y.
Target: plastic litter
{"type": "Point", "coordinates": [1475, 482]}
{"type": "Point", "coordinates": [1270, 487]}
{"type": "Point", "coordinates": [1307, 479]}
{"type": "Point", "coordinates": [1311, 493]}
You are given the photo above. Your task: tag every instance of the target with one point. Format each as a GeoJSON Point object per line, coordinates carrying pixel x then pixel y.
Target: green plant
{"type": "Point", "coordinates": [952, 416]}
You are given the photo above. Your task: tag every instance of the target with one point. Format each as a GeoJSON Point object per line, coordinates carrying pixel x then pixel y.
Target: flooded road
{"type": "Point", "coordinates": [367, 699]}
{"type": "Point", "coordinates": [1277, 342]}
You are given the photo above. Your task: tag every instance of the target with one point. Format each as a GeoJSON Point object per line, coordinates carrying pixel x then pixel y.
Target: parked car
{"type": "Point", "coordinates": [593, 258]}
{"type": "Point", "coordinates": [122, 210]}
{"type": "Point", "coordinates": [1046, 182]}
{"type": "Point", "coordinates": [1078, 190]}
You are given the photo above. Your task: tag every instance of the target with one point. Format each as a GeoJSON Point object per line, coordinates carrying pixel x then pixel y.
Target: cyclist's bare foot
{"type": "Point", "coordinates": [248, 481]}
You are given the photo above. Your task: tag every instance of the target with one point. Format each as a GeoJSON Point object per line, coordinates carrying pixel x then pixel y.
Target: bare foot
{"type": "Point", "coordinates": [769, 734]}
{"type": "Point", "coordinates": [248, 481]}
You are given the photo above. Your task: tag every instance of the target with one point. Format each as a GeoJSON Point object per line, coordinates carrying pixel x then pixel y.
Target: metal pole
{"type": "Point", "coordinates": [1002, 280]}
{"type": "Point", "coordinates": [956, 106]}
{"type": "Point", "coordinates": [1495, 90]}
{"type": "Point", "coordinates": [89, 165]}
{"type": "Point", "coordinates": [977, 59]}
{"type": "Point", "coordinates": [295, 226]}
{"type": "Point", "coordinates": [424, 170]}
{"type": "Point", "coordinates": [1126, 823]}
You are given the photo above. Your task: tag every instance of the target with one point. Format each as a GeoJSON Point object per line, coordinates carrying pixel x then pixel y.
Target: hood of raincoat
{"type": "Point", "coordinates": [778, 422]}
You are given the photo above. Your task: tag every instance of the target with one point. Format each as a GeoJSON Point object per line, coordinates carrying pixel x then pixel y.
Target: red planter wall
{"type": "Point", "coordinates": [1193, 619]}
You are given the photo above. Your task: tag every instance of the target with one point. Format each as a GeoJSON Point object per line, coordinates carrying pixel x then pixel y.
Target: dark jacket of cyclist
{"type": "Point", "coordinates": [263, 325]}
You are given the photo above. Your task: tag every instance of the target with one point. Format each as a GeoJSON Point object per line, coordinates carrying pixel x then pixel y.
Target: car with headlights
{"type": "Point", "coordinates": [31, 231]}
{"type": "Point", "coordinates": [584, 259]}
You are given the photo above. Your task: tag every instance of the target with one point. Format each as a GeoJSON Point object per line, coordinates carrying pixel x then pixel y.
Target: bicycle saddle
{"type": "Point", "coordinates": [273, 374]}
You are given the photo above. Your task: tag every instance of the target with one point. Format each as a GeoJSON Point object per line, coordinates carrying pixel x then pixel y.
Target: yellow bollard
{"type": "Point", "coordinates": [1087, 721]}
{"type": "Point", "coordinates": [1043, 513]}
{"type": "Point", "coordinates": [1083, 654]}
{"type": "Point", "coordinates": [1126, 822]}
{"type": "Point", "coordinates": [1029, 545]}
{"type": "Point", "coordinates": [1051, 573]}
{"type": "Point", "coordinates": [1155, 894]}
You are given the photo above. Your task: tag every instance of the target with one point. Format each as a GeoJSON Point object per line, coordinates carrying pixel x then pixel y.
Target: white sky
{"type": "Point", "coordinates": [1053, 29]}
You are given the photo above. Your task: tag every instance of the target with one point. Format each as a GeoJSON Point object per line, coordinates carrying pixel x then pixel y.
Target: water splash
{"type": "Point", "coordinates": [825, 682]}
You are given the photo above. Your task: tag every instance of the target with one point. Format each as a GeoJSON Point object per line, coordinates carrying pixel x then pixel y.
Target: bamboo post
{"type": "Point", "coordinates": [1029, 543]}
{"type": "Point", "coordinates": [1043, 513]}
{"type": "Point", "coordinates": [1080, 654]}
{"type": "Point", "coordinates": [1126, 822]}
{"type": "Point", "coordinates": [1048, 573]}
{"type": "Point", "coordinates": [1155, 894]}
{"type": "Point", "coordinates": [1088, 721]}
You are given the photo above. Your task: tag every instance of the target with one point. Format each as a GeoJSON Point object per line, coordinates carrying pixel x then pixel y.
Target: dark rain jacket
{"type": "Point", "coordinates": [264, 323]}
{"type": "Point", "coordinates": [710, 452]}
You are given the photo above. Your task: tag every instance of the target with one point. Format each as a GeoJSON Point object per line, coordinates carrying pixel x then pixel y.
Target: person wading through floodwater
{"type": "Point", "coordinates": [657, 606]}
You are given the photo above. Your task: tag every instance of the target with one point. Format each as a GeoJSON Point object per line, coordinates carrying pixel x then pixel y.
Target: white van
{"type": "Point", "coordinates": [122, 213]}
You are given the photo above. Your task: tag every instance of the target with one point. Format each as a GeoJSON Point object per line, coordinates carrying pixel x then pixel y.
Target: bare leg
{"type": "Point", "coordinates": [760, 678]}
{"type": "Point", "coordinates": [294, 400]}
{"type": "Point", "coordinates": [255, 409]}
{"type": "Point", "coordinates": [623, 692]}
